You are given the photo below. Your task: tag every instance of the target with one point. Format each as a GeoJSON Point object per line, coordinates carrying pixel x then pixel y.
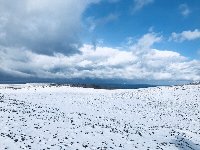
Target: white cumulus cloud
{"type": "Point", "coordinates": [185, 35]}
{"type": "Point", "coordinates": [139, 62]}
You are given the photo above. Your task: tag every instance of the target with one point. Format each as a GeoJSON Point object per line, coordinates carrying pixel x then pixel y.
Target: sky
{"type": "Point", "coordinates": [138, 41]}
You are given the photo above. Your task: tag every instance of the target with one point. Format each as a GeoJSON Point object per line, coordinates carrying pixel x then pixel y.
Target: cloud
{"type": "Point", "coordinates": [139, 4]}
{"type": "Point", "coordinates": [94, 22]}
{"type": "Point", "coordinates": [38, 38]}
{"type": "Point", "coordinates": [145, 43]}
{"type": "Point", "coordinates": [185, 35]}
{"type": "Point", "coordinates": [139, 61]}
{"type": "Point", "coordinates": [113, 1]}
{"type": "Point", "coordinates": [42, 26]}
{"type": "Point", "coordinates": [184, 10]}
{"type": "Point", "coordinates": [198, 52]}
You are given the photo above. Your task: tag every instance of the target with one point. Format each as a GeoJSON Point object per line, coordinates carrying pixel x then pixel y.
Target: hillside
{"type": "Point", "coordinates": [42, 116]}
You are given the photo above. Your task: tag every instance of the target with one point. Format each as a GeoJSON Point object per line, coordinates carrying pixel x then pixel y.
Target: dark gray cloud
{"type": "Point", "coordinates": [42, 26]}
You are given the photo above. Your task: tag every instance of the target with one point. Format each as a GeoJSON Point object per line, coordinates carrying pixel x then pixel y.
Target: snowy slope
{"type": "Point", "coordinates": [60, 117]}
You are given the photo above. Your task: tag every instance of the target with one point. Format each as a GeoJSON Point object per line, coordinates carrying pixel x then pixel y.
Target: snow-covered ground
{"type": "Point", "coordinates": [60, 117]}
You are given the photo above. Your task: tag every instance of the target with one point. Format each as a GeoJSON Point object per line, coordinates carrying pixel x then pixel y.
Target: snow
{"type": "Point", "coordinates": [41, 116]}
